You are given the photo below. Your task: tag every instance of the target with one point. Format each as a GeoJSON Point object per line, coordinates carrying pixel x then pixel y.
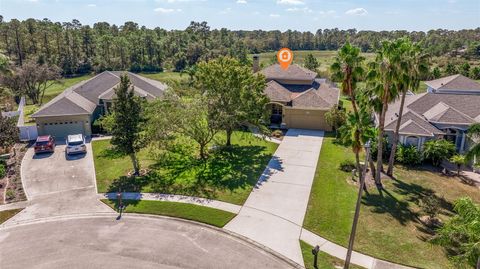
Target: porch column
{"type": "Point", "coordinates": [462, 144]}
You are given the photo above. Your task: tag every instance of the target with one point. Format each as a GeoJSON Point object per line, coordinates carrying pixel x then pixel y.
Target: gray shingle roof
{"type": "Point", "coordinates": [455, 82]}
{"type": "Point", "coordinates": [294, 72]}
{"type": "Point", "coordinates": [83, 98]}
{"type": "Point", "coordinates": [467, 104]}
{"type": "Point", "coordinates": [424, 128]}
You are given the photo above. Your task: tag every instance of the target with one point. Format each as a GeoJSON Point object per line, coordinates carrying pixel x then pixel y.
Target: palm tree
{"type": "Point", "coordinates": [474, 135]}
{"type": "Point", "coordinates": [347, 69]}
{"type": "Point", "coordinates": [414, 64]}
{"type": "Point", "coordinates": [382, 78]}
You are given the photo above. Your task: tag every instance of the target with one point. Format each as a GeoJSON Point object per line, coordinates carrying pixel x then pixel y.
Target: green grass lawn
{"type": "Point", "coordinates": [228, 174]}
{"type": "Point", "coordinates": [165, 76]}
{"type": "Point", "coordinates": [324, 261]}
{"type": "Point", "coordinates": [7, 214]}
{"type": "Point", "coordinates": [389, 226]}
{"type": "Point", "coordinates": [324, 57]}
{"type": "Point", "coordinates": [211, 216]}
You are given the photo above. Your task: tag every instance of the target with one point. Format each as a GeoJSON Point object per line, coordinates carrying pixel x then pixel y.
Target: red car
{"type": "Point", "coordinates": [44, 143]}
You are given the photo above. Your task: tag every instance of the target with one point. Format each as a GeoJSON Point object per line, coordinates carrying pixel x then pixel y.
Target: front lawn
{"type": "Point", "coordinates": [228, 175]}
{"type": "Point", "coordinates": [7, 214]}
{"type": "Point", "coordinates": [211, 216]}
{"type": "Point", "coordinates": [389, 227]}
{"type": "Point", "coordinates": [324, 261]}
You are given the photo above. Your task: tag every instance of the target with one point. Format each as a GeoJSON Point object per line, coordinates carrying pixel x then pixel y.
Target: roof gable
{"type": "Point", "coordinates": [277, 92]}
{"type": "Point", "coordinates": [310, 99]}
{"type": "Point", "coordinates": [63, 106]}
{"type": "Point", "coordinates": [456, 83]}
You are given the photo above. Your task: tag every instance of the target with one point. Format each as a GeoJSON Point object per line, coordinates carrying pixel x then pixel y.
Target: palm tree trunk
{"type": "Point", "coordinates": [357, 160]}
{"type": "Point", "coordinates": [391, 161]}
{"type": "Point", "coordinates": [381, 127]}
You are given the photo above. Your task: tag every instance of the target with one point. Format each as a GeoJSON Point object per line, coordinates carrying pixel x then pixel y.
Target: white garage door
{"type": "Point", "coordinates": [61, 130]}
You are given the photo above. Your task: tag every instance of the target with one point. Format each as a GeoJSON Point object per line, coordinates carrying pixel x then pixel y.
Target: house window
{"type": "Point", "coordinates": [411, 141]}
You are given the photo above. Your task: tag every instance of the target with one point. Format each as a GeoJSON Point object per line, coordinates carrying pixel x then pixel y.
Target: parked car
{"type": "Point", "coordinates": [76, 144]}
{"type": "Point", "coordinates": [44, 143]}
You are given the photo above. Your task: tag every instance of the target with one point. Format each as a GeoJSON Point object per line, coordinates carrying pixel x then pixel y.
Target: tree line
{"type": "Point", "coordinates": [79, 49]}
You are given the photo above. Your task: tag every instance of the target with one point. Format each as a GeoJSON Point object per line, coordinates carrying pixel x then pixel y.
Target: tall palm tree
{"type": "Point", "coordinates": [382, 78]}
{"type": "Point", "coordinates": [414, 65]}
{"type": "Point", "coordinates": [474, 135]}
{"type": "Point", "coordinates": [348, 69]}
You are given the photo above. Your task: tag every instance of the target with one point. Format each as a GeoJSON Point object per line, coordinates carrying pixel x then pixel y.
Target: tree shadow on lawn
{"type": "Point", "coordinates": [227, 169]}
{"type": "Point", "coordinates": [384, 202]}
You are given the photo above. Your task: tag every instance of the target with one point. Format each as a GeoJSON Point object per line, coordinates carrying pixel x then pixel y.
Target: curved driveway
{"type": "Point", "coordinates": [132, 242]}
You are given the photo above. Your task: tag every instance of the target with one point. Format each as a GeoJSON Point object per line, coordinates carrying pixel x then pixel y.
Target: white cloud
{"type": "Point", "coordinates": [274, 15]}
{"type": "Point", "coordinates": [291, 2]}
{"type": "Point", "coordinates": [241, 1]}
{"type": "Point", "coordinates": [166, 10]}
{"type": "Point", "coordinates": [91, 5]}
{"type": "Point", "coordinates": [360, 11]}
{"type": "Point", "coordinates": [296, 9]}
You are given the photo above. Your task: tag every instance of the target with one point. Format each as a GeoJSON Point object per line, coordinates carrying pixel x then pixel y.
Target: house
{"type": "Point", "coordinates": [76, 108]}
{"type": "Point", "coordinates": [450, 105]}
{"type": "Point", "coordinates": [298, 99]}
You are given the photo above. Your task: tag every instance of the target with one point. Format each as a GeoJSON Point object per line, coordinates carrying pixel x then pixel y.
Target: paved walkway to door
{"type": "Point", "coordinates": [273, 213]}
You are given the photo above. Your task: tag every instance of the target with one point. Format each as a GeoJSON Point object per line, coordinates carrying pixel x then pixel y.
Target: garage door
{"type": "Point", "coordinates": [61, 130]}
{"type": "Point", "coordinates": [307, 119]}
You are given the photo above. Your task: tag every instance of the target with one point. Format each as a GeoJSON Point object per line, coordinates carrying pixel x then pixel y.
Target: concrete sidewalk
{"type": "Point", "coordinates": [273, 213]}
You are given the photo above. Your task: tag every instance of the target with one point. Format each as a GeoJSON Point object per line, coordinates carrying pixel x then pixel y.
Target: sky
{"type": "Point", "coordinates": [303, 15]}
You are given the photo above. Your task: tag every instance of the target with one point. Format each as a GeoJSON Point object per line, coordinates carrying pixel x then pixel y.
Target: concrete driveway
{"type": "Point", "coordinates": [132, 242]}
{"type": "Point", "coordinates": [57, 184]}
{"type": "Point", "coordinates": [273, 213]}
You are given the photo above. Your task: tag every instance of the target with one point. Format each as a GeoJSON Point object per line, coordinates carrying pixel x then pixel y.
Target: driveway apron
{"type": "Point", "coordinates": [57, 184]}
{"type": "Point", "coordinates": [273, 213]}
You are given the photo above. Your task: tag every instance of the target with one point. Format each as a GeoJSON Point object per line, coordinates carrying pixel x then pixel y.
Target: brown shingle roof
{"type": "Point", "coordinates": [277, 93]}
{"type": "Point", "coordinates": [294, 72]}
{"type": "Point", "coordinates": [418, 120]}
{"type": "Point", "coordinates": [455, 82]}
{"type": "Point", "coordinates": [310, 99]}
{"type": "Point", "coordinates": [466, 104]}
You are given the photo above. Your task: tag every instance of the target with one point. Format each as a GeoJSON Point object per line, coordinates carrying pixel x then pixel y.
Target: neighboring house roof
{"type": "Point", "coordinates": [294, 72]}
{"type": "Point", "coordinates": [83, 98]}
{"type": "Point", "coordinates": [429, 110]}
{"type": "Point", "coordinates": [455, 82]}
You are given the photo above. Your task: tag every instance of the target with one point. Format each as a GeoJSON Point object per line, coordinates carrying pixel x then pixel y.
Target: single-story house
{"type": "Point", "coordinates": [298, 99]}
{"type": "Point", "coordinates": [450, 105]}
{"type": "Point", "coordinates": [76, 108]}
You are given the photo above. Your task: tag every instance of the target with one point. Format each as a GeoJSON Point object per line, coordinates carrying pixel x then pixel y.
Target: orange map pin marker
{"type": "Point", "coordinates": [285, 58]}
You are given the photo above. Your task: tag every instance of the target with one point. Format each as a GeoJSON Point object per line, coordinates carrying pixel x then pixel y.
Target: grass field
{"type": "Point", "coordinates": [211, 216]}
{"type": "Point", "coordinates": [389, 226]}
{"type": "Point", "coordinates": [228, 175]}
{"type": "Point", "coordinates": [324, 261]}
{"type": "Point", "coordinates": [6, 214]}
{"type": "Point", "coordinates": [324, 57]}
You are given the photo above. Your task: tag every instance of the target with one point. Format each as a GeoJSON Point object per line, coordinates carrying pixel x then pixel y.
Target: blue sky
{"type": "Point", "coordinates": [257, 14]}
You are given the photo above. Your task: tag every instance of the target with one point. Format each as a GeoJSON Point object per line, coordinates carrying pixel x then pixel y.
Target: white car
{"type": "Point", "coordinates": [76, 144]}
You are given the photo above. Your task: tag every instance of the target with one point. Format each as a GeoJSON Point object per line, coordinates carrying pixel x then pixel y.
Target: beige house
{"type": "Point", "coordinates": [74, 110]}
{"type": "Point", "coordinates": [298, 99]}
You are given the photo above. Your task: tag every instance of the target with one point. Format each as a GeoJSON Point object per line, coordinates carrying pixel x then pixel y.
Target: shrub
{"type": "Point", "coordinates": [408, 155]}
{"type": "Point", "coordinates": [10, 194]}
{"type": "Point", "coordinates": [347, 166]}
{"type": "Point", "coordinates": [3, 170]}
{"type": "Point", "coordinates": [335, 117]}
{"type": "Point", "coordinates": [438, 150]}
{"type": "Point", "coordinates": [277, 133]}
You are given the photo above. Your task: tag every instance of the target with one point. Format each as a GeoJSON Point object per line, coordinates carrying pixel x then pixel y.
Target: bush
{"type": "Point", "coordinates": [10, 194]}
{"type": "Point", "coordinates": [277, 133]}
{"type": "Point", "coordinates": [347, 166]}
{"type": "Point", "coordinates": [431, 206]}
{"type": "Point", "coordinates": [408, 155]}
{"type": "Point", "coordinates": [3, 170]}
{"type": "Point", "coordinates": [438, 150]}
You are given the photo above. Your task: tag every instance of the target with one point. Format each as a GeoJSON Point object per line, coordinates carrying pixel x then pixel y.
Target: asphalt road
{"type": "Point", "coordinates": [132, 242]}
